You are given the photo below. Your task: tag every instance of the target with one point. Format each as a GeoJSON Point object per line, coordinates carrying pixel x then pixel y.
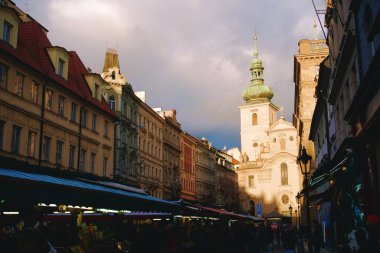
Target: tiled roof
{"type": "Point", "coordinates": [31, 50]}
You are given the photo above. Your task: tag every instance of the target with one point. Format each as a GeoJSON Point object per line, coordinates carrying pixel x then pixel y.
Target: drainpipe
{"type": "Point", "coordinates": [42, 120]}
{"type": "Point", "coordinates": [115, 147]}
{"type": "Point", "coordinates": [80, 134]}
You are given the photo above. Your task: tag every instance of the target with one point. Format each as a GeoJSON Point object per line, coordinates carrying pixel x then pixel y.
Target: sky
{"type": "Point", "coordinates": [189, 55]}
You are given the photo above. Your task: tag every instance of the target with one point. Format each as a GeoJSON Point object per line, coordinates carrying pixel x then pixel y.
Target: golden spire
{"type": "Point", "coordinates": [255, 44]}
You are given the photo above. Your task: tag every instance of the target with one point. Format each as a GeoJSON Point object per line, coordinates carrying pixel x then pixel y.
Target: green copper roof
{"type": "Point", "coordinates": [257, 89]}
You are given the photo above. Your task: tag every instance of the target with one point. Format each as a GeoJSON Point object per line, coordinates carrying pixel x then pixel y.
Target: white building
{"type": "Point", "coordinates": [268, 173]}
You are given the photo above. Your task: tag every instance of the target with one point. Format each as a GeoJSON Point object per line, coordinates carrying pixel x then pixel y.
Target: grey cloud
{"type": "Point", "coordinates": [192, 55]}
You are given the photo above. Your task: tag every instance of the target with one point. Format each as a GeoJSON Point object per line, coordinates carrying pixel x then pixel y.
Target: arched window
{"type": "Point", "coordinates": [284, 174]}
{"type": "Point", "coordinates": [112, 102]}
{"type": "Point", "coordinates": [254, 119]}
{"type": "Point", "coordinates": [113, 75]}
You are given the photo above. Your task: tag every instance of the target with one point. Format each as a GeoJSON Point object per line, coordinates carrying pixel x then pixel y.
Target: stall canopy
{"type": "Point", "coordinates": [36, 188]}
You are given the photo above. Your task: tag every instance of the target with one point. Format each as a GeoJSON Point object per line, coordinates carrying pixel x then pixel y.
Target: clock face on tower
{"type": "Point", "coordinates": [285, 199]}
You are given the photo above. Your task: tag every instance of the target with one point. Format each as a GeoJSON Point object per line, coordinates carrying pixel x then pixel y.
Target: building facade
{"type": "Point", "coordinates": [172, 155]}
{"type": "Point", "coordinates": [150, 143]}
{"type": "Point", "coordinates": [187, 166]}
{"type": "Point", "coordinates": [205, 172]}
{"type": "Point", "coordinates": [268, 173]}
{"type": "Point", "coordinates": [49, 114]}
{"type": "Point", "coordinates": [122, 99]}
{"type": "Point", "coordinates": [226, 182]}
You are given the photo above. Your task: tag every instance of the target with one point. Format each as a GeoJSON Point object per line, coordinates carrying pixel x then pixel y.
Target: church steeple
{"type": "Point", "coordinates": [257, 88]}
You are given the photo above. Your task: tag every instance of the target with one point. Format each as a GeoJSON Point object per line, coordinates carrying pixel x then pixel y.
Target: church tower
{"type": "Point", "coordinates": [258, 113]}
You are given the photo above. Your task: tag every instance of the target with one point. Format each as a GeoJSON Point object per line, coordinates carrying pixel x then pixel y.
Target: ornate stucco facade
{"type": "Point", "coordinates": [172, 155]}
{"type": "Point", "coordinates": [121, 98]}
{"type": "Point", "coordinates": [268, 174]}
{"type": "Point", "coordinates": [150, 143]}
{"type": "Point", "coordinates": [205, 172]}
{"type": "Point", "coordinates": [306, 68]}
{"type": "Point", "coordinates": [187, 166]}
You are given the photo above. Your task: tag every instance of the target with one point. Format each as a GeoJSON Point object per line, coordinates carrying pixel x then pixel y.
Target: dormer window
{"type": "Point", "coordinates": [112, 102]}
{"type": "Point", "coordinates": [7, 27]}
{"type": "Point", "coordinates": [61, 65]}
{"type": "Point", "coordinates": [96, 90]}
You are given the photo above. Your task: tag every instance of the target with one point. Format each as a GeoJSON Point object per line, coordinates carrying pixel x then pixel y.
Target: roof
{"type": "Point", "coordinates": [31, 50]}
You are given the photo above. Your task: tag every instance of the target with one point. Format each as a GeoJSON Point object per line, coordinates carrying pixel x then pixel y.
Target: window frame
{"type": "Point", "coordinates": [82, 160]}
{"type": "Point", "coordinates": [284, 174]}
{"type": "Point", "coordinates": [93, 122]}
{"type": "Point", "coordinates": [61, 106]}
{"type": "Point", "coordinates": [34, 91]}
{"type": "Point", "coordinates": [92, 162]}
{"type": "Point", "coordinates": [4, 70]}
{"type": "Point", "coordinates": [58, 152]}
{"type": "Point", "coordinates": [31, 152]}
{"type": "Point", "coordinates": [19, 90]}
{"type": "Point", "coordinates": [61, 65]}
{"type": "Point", "coordinates": [16, 140]}
{"type": "Point", "coordinates": [72, 156]}
{"type": "Point", "coordinates": [7, 32]}
{"type": "Point", "coordinates": [46, 142]}
{"type": "Point", "coordinates": [105, 161]}
{"type": "Point", "coordinates": [49, 99]}
{"type": "Point", "coordinates": [74, 107]}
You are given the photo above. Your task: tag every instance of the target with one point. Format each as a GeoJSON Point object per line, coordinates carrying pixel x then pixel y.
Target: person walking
{"type": "Point", "coordinates": [317, 237]}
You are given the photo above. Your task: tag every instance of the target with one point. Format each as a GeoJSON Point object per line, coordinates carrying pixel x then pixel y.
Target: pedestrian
{"type": "Point", "coordinates": [317, 237]}
{"type": "Point", "coordinates": [288, 239]}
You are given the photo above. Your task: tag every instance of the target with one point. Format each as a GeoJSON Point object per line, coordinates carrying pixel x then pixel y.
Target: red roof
{"type": "Point", "coordinates": [31, 50]}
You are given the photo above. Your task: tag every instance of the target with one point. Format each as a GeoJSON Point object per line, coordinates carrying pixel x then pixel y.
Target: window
{"type": "Point", "coordinates": [71, 156]}
{"type": "Point", "coordinates": [84, 117]}
{"type": "Point", "coordinates": [7, 27]}
{"type": "Point", "coordinates": [19, 84]}
{"type": "Point", "coordinates": [15, 144]}
{"type": "Point", "coordinates": [58, 154]}
{"type": "Point", "coordinates": [254, 119]}
{"type": "Point", "coordinates": [112, 102]}
{"type": "Point", "coordinates": [49, 99]}
{"type": "Point", "coordinates": [73, 112]}
{"type": "Point", "coordinates": [2, 125]}
{"type": "Point", "coordinates": [82, 161]}
{"type": "Point", "coordinates": [105, 160]}
{"type": "Point", "coordinates": [251, 181]}
{"type": "Point", "coordinates": [3, 76]}
{"type": "Point", "coordinates": [93, 125]}
{"type": "Point", "coordinates": [32, 136]}
{"type": "Point", "coordinates": [113, 75]}
{"type": "Point", "coordinates": [61, 105]}
{"type": "Point", "coordinates": [34, 92]}
{"type": "Point", "coordinates": [46, 148]}
{"type": "Point", "coordinates": [61, 64]}
{"type": "Point", "coordinates": [106, 128]}
{"type": "Point", "coordinates": [92, 162]}
{"type": "Point", "coordinates": [284, 174]}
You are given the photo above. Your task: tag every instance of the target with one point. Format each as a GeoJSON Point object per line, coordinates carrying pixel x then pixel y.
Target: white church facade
{"type": "Point", "coordinates": [268, 173]}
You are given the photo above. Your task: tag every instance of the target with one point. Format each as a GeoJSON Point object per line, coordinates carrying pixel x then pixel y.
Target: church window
{"type": "Point", "coordinates": [282, 143]}
{"type": "Point", "coordinates": [251, 181]}
{"type": "Point", "coordinates": [255, 144]}
{"type": "Point", "coordinates": [254, 119]}
{"type": "Point", "coordinates": [284, 174]}
{"type": "Point", "coordinates": [285, 199]}
{"type": "Point", "coordinates": [291, 138]}
{"type": "Point", "coordinates": [274, 140]}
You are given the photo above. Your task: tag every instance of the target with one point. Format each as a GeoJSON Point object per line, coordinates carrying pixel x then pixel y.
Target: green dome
{"type": "Point", "coordinates": [257, 91]}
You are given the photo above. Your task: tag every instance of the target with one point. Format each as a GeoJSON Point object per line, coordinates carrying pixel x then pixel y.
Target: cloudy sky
{"type": "Point", "coordinates": [188, 55]}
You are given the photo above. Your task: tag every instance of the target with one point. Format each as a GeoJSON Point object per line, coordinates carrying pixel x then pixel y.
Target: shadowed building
{"type": "Point", "coordinates": [268, 173]}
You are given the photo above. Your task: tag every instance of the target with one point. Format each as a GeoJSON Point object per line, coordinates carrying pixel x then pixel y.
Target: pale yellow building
{"type": "Point", "coordinates": [306, 68]}
{"type": "Point", "coordinates": [49, 114]}
{"type": "Point", "coordinates": [150, 150]}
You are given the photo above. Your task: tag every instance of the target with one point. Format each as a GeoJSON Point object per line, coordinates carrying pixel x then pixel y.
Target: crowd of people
{"type": "Point", "coordinates": [168, 236]}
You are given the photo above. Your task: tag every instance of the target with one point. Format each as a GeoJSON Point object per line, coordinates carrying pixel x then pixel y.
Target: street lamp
{"type": "Point", "coordinates": [298, 199]}
{"type": "Point", "coordinates": [290, 211]}
{"type": "Point", "coordinates": [304, 160]}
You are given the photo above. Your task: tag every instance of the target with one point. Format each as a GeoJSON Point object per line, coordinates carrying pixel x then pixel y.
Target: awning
{"type": "Point", "coordinates": [33, 187]}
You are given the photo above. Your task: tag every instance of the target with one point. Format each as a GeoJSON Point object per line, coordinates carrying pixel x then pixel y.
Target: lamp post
{"type": "Point", "coordinates": [304, 160]}
{"type": "Point", "coordinates": [298, 199]}
{"type": "Point", "coordinates": [290, 211]}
